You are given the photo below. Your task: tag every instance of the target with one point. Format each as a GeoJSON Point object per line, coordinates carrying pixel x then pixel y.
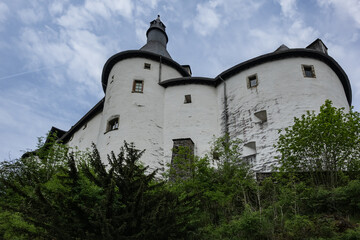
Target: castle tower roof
{"type": "Point", "coordinates": [156, 38]}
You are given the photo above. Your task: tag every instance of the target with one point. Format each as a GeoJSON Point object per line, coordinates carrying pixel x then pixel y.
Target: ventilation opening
{"type": "Point", "coordinates": [147, 66]}
{"type": "Point", "coordinates": [252, 81]}
{"type": "Point", "coordinates": [249, 152]}
{"type": "Point", "coordinates": [187, 99]}
{"type": "Point", "coordinates": [249, 149]}
{"type": "Point", "coordinates": [261, 115]}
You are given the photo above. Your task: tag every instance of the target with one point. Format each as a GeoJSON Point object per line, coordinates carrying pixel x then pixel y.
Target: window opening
{"type": "Point", "coordinates": [308, 71]}
{"type": "Point", "coordinates": [147, 66]}
{"type": "Point", "coordinates": [261, 115]}
{"type": "Point", "coordinates": [252, 81]}
{"type": "Point", "coordinates": [138, 86]}
{"type": "Point", "coordinates": [187, 98]}
{"type": "Point", "coordinates": [113, 124]}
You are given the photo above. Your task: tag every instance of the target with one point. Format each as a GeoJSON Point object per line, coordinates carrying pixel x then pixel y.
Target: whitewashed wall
{"type": "Point", "coordinates": [196, 120]}
{"type": "Point", "coordinates": [154, 118]}
{"type": "Point", "coordinates": [141, 114]}
{"type": "Point", "coordinates": [86, 135]}
{"type": "Point", "coordinates": [283, 92]}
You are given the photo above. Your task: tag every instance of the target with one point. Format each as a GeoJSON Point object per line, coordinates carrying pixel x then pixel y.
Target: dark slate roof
{"type": "Point", "coordinates": [156, 47]}
{"type": "Point", "coordinates": [277, 55]}
{"type": "Point", "coordinates": [159, 25]}
{"type": "Point", "coordinates": [292, 53]}
{"type": "Point", "coordinates": [282, 48]}
{"type": "Point", "coordinates": [142, 54]}
{"type": "Point", "coordinates": [188, 80]}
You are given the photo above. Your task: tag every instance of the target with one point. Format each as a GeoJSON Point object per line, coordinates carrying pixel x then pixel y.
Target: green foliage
{"type": "Point", "coordinates": [52, 194]}
{"type": "Point", "coordinates": [46, 196]}
{"type": "Point", "coordinates": [322, 145]}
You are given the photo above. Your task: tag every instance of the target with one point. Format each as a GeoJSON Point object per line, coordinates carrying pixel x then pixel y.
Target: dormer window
{"type": "Point", "coordinates": [138, 86]}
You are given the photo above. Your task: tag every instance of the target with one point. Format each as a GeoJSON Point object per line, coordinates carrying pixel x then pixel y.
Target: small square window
{"type": "Point", "coordinates": [147, 66]}
{"type": "Point", "coordinates": [138, 86]}
{"type": "Point", "coordinates": [252, 81]}
{"type": "Point", "coordinates": [308, 71]}
{"type": "Point", "coordinates": [113, 124]}
{"type": "Point", "coordinates": [187, 98]}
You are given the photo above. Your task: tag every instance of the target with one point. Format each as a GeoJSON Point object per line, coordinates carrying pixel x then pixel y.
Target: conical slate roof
{"type": "Point", "coordinates": [156, 38]}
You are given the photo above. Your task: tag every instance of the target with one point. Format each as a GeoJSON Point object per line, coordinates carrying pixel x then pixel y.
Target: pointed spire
{"type": "Point", "coordinates": [156, 38]}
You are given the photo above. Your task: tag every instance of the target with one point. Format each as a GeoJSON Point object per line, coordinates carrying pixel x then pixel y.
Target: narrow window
{"type": "Point", "coordinates": [308, 71]}
{"type": "Point", "coordinates": [113, 124]}
{"type": "Point", "coordinates": [187, 98]}
{"type": "Point", "coordinates": [138, 86]}
{"type": "Point", "coordinates": [252, 81]}
{"type": "Point", "coordinates": [147, 66]}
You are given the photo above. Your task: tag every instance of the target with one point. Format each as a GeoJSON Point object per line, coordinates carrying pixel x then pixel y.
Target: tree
{"type": "Point", "coordinates": [56, 195]}
{"type": "Point", "coordinates": [322, 145]}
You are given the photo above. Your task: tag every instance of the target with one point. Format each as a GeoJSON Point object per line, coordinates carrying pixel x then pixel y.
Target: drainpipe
{"type": "Point", "coordinates": [225, 111]}
{"type": "Point", "coordinates": [160, 69]}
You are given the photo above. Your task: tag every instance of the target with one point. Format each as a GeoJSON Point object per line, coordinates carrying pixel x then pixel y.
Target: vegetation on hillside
{"type": "Point", "coordinates": [59, 194]}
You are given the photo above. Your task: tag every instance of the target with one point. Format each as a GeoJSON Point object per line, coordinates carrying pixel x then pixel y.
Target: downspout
{"type": "Point", "coordinates": [160, 69]}
{"type": "Point", "coordinates": [226, 114]}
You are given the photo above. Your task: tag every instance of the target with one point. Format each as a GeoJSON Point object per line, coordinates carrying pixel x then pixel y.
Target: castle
{"type": "Point", "coordinates": [153, 101]}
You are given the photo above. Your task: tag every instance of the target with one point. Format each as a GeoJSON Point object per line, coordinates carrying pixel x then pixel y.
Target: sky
{"type": "Point", "coordinates": [52, 52]}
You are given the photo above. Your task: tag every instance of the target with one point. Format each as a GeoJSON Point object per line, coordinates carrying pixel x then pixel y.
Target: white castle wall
{"type": "Point", "coordinates": [283, 92]}
{"type": "Point", "coordinates": [141, 114]}
{"type": "Point", "coordinates": [85, 136]}
{"type": "Point", "coordinates": [154, 118]}
{"type": "Point", "coordinates": [196, 120]}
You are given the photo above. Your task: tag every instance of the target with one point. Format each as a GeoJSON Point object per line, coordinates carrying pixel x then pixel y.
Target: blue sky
{"type": "Point", "coordinates": [52, 52]}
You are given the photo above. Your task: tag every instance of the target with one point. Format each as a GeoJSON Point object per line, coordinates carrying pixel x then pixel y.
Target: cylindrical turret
{"type": "Point", "coordinates": [156, 38]}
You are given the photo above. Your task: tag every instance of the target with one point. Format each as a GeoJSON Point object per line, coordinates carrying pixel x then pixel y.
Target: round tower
{"type": "Point", "coordinates": [134, 100]}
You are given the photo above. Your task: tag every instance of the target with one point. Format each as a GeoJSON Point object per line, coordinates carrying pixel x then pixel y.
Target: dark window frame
{"type": "Point", "coordinates": [135, 88]}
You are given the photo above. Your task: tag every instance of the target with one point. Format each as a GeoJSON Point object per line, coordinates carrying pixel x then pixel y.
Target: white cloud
{"type": "Point", "coordinates": [98, 7]}
{"type": "Point", "coordinates": [123, 7]}
{"type": "Point", "coordinates": [288, 8]}
{"type": "Point", "coordinates": [140, 29]}
{"type": "Point", "coordinates": [344, 9]}
{"type": "Point", "coordinates": [4, 11]}
{"type": "Point", "coordinates": [56, 7]}
{"type": "Point", "coordinates": [29, 16]}
{"type": "Point", "coordinates": [207, 19]}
